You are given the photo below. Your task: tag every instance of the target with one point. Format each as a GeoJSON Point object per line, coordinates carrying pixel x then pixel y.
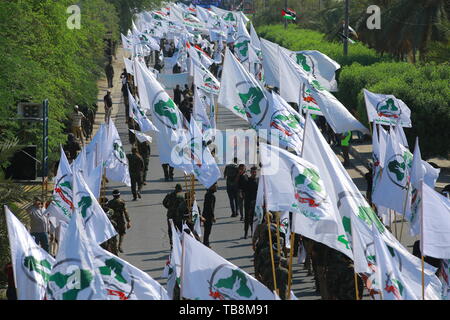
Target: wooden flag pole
{"type": "Point", "coordinates": [291, 253]}
{"type": "Point", "coordinates": [277, 217]}
{"type": "Point", "coordinates": [271, 254]}
{"type": "Point", "coordinates": [356, 285]}
{"type": "Point", "coordinates": [192, 190]}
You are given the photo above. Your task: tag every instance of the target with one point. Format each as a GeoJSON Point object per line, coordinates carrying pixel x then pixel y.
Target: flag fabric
{"type": "Point", "coordinates": [141, 137]}
{"type": "Point", "coordinates": [294, 184]}
{"type": "Point", "coordinates": [400, 133]}
{"type": "Point", "coordinates": [200, 56]}
{"type": "Point", "coordinates": [285, 228]}
{"type": "Point", "coordinates": [270, 62]}
{"type": "Point", "coordinates": [165, 114]}
{"type": "Point", "coordinates": [289, 14]}
{"type": "Point", "coordinates": [392, 189]}
{"type": "Point", "coordinates": [94, 181]}
{"type": "Point", "coordinates": [435, 235]}
{"type": "Point", "coordinates": [97, 224]}
{"type": "Point", "coordinates": [172, 270]}
{"type": "Point", "coordinates": [123, 281]}
{"type": "Point", "coordinates": [387, 109]}
{"type": "Point", "coordinates": [31, 264]}
{"type": "Point", "coordinates": [116, 165]}
{"type": "Point", "coordinates": [195, 157]}
{"type": "Point", "coordinates": [319, 66]}
{"type": "Point", "coordinates": [61, 206]}
{"type": "Point", "coordinates": [242, 43]}
{"type": "Point", "coordinates": [208, 276]}
{"type": "Point", "coordinates": [204, 79]}
{"type": "Point", "coordinates": [417, 176]}
{"type": "Point", "coordinates": [196, 219]}
{"type": "Point", "coordinates": [246, 93]}
{"type": "Point", "coordinates": [74, 275]}
{"type": "Point", "coordinates": [138, 115]}
{"type": "Point", "coordinates": [258, 215]}
{"type": "Point", "coordinates": [285, 123]}
{"type": "Point", "coordinates": [294, 84]}
{"type": "Point", "coordinates": [337, 116]}
{"type": "Point", "coordinates": [392, 273]}
{"type": "Point", "coordinates": [203, 102]}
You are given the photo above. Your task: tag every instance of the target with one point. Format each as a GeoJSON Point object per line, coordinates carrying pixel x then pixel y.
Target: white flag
{"type": "Point", "coordinates": [168, 118]}
{"type": "Point", "coordinates": [31, 264]}
{"type": "Point", "coordinates": [139, 115]}
{"type": "Point", "coordinates": [74, 275]}
{"type": "Point", "coordinates": [242, 43]}
{"type": "Point", "coordinates": [204, 79]}
{"type": "Point", "coordinates": [293, 184]}
{"type": "Point", "coordinates": [435, 238]}
{"type": "Point", "coordinates": [392, 189]}
{"type": "Point", "coordinates": [123, 281]}
{"type": "Point", "coordinates": [116, 165]}
{"type": "Point", "coordinates": [270, 61]}
{"type": "Point", "coordinates": [208, 276]}
{"type": "Point", "coordinates": [61, 206]}
{"type": "Point", "coordinates": [387, 109]}
{"type": "Point", "coordinates": [97, 224]}
{"type": "Point", "coordinates": [319, 66]}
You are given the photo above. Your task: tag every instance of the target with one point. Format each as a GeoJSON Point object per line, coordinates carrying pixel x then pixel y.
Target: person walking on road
{"type": "Point", "coordinates": [208, 213]}
{"type": "Point", "coordinates": [250, 192]}
{"type": "Point", "coordinates": [136, 167]}
{"type": "Point", "coordinates": [171, 202]}
{"type": "Point", "coordinates": [145, 152]}
{"type": "Point", "coordinates": [120, 216]}
{"type": "Point", "coordinates": [109, 70]}
{"type": "Point", "coordinates": [241, 182]}
{"type": "Point", "coordinates": [77, 116]}
{"type": "Point", "coordinates": [108, 105]}
{"type": "Point", "coordinates": [230, 173]}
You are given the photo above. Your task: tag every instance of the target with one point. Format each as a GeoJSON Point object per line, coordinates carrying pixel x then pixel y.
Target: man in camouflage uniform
{"type": "Point", "coordinates": [340, 277]}
{"type": "Point", "coordinates": [120, 216]}
{"type": "Point", "coordinates": [319, 261]}
{"type": "Point", "coordinates": [144, 151]}
{"type": "Point", "coordinates": [171, 202]}
{"type": "Point", "coordinates": [281, 275]}
{"type": "Point", "coordinates": [136, 167]}
{"type": "Point", "coordinates": [110, 245]}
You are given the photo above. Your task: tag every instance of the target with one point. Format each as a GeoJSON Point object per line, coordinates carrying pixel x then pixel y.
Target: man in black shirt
{"type": "Point", "coordinates": [208, 212]}
{"type": "Point", "coordinates": [241, 181]}
{"type": "Point", "coordinates": [250, 192]}
{"type": "Point", "coordinates": [177, 95]}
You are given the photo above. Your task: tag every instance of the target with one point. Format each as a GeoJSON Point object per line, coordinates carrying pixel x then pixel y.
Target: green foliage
{"type": "Point", "coordinates": [42, 58]}
{"type": "Point", "coordinates": [127, 8]}
{"type": "Point", "coordinates": [296, 39]}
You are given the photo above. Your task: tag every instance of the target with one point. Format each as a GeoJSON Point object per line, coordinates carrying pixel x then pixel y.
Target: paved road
{"type": "Point", "coordinates": [147, 243]}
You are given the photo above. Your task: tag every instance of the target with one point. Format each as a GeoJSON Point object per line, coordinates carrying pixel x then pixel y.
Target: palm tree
{"type": "Point", "coordinates": [15, 196]}
{"type": "Point", "coordinates": [407, 27]}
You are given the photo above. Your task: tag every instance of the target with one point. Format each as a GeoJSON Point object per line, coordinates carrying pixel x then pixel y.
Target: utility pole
{"type": "Point", "coordinates": [285, 10]}
{"type": "Point", "coordinates": [346, 23]}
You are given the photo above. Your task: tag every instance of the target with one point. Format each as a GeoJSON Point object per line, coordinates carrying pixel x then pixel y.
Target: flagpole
{"type": "Point", "coordinates": [291, 250]}
{"type": "Point", "coordinates": [277, 217]}
{"type": "Point", "coordinates": [404, 212]}
{"type": "Point", "coordinates": [356, 284]}
{"type": "Point", "coordinates": [271, 254]}
{"type": "Point", "coordinates": [182, 265]}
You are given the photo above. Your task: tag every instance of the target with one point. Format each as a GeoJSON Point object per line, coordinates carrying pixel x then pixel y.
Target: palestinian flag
{"type": "Point", "coordinates": [289, 14]}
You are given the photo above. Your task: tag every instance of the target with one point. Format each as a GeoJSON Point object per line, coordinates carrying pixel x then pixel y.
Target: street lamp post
{"type": "Point", "coordinates": [346, 24]}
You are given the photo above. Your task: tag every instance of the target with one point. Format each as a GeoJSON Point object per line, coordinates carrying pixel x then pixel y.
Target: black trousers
{"type": "Point", "coordinates": [168, 171]}
{"type": "Point", "coordinates": [233, 197]}
{"type": "Point", "coordinates": [248, 217]}
{"type": "Point", "coordinates": [208, 227]}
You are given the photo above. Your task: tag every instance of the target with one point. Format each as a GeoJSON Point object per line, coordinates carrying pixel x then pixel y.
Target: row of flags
{"type": "Point", "coordinates": [327, 206]}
